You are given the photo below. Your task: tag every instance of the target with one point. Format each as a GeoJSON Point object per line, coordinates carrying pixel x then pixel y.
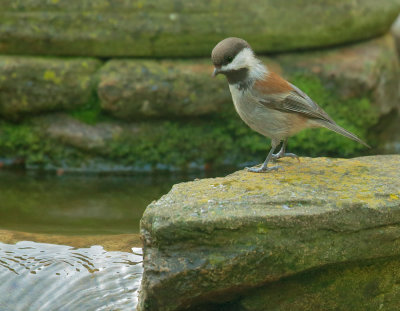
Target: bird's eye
{"type": "Point", "coordinates": [229, 59]}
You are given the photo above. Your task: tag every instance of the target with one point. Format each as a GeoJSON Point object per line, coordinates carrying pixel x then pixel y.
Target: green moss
{"type": "Point", "coordinates": [90, 112]}
{"type": "Point", "coordinates": [174, 143]}
{"type": "Point", "coordinates": [23, 140]}
{"type": "Point", "coordinates": [368, 285]}
{"type": "Point", "coordinates": [262, 228]}
{"type": "Point", "coordinates": [88, 116]}
{"type": "Point", "coordinates": [19, 141]}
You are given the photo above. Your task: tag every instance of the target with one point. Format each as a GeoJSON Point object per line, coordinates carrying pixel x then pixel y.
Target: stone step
{"type": "Point", "coordinates": [135, 89]}
{"type": "Point", "coordinates": [184, 28]}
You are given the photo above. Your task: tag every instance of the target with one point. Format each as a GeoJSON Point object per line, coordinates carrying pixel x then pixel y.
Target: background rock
{"type": "Point", "coordinates": [185, 28]}
{"type": "Point", "coordinates": [213, 240]}
{"type": "Point", "coordinates": [172, 115]}
{"type": "Point", "coordinates": [396, 33]}
{"type": "Point", "coordinates": [90, 138]}
{"type": "Point", "coordinates": [369, 68]}
{"type": "Point", "coordinates": [33, 84]}
{"type": "Point", "coordinates": [132, 89]}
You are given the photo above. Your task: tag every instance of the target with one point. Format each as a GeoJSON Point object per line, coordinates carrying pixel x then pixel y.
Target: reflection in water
{"type": "Point", "coordinates": [79, 204]}
{"type": "Point", "coordinates": [75, 204]}
{"type": "Point", "coordinates": [36, 276]}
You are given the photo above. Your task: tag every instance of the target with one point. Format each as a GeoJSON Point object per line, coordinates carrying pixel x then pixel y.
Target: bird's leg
{"type": "Point", "coordinates": [264, 167]}
{"type": "Point", "coordinates": [282, 153]}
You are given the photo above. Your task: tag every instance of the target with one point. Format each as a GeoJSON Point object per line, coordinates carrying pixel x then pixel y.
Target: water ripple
{"type": "Point", "coordinates": [44, 277]}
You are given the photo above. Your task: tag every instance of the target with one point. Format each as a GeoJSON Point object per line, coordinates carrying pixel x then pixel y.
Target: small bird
{"type": "Point", "coordinates": [266, 102]}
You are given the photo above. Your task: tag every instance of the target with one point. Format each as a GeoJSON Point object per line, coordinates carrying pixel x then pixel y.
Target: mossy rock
{"type": "Point", "coordinates": [214, 240]}
{"type": "Point", "coordinates": [133, 89]}
{"type": "Point", "coordinates": [367, 285]}
{"type": "Point", "coordinates": [185, 28]}
{"type": "Point", "coordinates": [30, 85]}
{"type": "Point", "coordinates": [366, 69]}
{"type": "Point", "coordinates": [396, 33]}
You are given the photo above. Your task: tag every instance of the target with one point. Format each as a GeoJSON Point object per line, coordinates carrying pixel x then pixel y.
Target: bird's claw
{"type": "Point", "coordinates": [285, 155]}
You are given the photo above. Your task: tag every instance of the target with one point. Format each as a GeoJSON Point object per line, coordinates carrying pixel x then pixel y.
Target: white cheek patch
{"type": "Point", "coordinates": [244, 59]}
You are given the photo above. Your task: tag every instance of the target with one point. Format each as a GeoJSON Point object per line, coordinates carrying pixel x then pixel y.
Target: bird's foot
{"type": "Point", "coordinates": [262, 169]}
{"type": "Point", "coordinates": [280, 155]}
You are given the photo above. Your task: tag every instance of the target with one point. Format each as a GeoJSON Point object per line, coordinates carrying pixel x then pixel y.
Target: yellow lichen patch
{"type": "Point", "coordinates": [338, 181]}
{"type": "Point", "coordinates": [394, 196]}
{"type": "Point", "coordinates": [50, 75]}
{"type": "Point", "coordinates": [262, 229]}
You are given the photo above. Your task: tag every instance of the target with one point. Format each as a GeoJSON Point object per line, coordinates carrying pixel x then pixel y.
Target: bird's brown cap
{"type": "Point", "coordinates": [226, 50]}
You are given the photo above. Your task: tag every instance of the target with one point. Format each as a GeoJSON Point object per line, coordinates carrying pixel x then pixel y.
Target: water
{"type": "Point", "coordinates": [76, 204]}
{"type": "Point", "coordinates": [72, 242]}
{"type": "Point", "coordinates": [38, 276]}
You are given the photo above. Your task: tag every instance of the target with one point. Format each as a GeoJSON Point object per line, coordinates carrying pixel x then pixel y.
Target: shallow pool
{"type": "Point", "coordinates": [72, 242]}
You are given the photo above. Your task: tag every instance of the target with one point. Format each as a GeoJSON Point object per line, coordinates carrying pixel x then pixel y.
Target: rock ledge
{"type": "Point", "coordinates": [214, 240]}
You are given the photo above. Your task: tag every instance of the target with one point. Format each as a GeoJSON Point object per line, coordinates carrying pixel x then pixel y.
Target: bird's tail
{"type": "Point", "coordinates": [336, 128]}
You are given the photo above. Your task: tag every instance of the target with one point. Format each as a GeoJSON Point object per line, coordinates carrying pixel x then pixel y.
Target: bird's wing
{"type": "Point", "coordinates": [276, 93]}
{"type": "Point", "coordinates": [288, 99]}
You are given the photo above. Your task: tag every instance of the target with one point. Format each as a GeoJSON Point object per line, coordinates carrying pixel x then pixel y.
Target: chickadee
{"type": "Point", "coordinates": [266, 102]}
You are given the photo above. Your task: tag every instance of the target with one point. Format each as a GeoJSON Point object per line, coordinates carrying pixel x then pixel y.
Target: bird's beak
{"type": "Point", "coordinates": [216, 71]}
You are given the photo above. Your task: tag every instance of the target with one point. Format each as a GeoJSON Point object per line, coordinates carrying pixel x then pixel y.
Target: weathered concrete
{"type": "Point", "coordinates": [214, 240]}
{"type": "Point", "coordinates": [185, 28]}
